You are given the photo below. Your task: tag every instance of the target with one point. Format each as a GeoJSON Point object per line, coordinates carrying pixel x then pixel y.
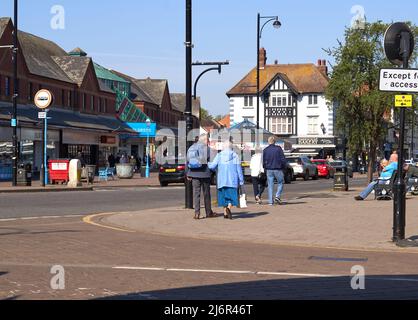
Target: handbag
{"type": "Point", "coordinates": [242, 199]}
{"type": "Point", "coordinates": [262, 177]}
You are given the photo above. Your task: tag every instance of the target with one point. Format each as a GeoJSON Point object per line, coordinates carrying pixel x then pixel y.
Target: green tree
{"type": "Point", "coordinates": [363, 111]}
{"type": "Point", "coordinates": [205, 115]}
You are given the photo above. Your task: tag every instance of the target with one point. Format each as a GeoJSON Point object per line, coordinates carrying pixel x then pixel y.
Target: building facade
{"type": "Point", "coordinates": [292, 105]}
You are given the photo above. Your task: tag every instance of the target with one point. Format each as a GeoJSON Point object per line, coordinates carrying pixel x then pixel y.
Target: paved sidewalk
{"type": "Point", "coordinates": [137, 181]}
{"type": "Point", "coordinates": [332, 220]}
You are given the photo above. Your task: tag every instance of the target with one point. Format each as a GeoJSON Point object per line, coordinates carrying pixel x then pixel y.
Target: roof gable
{"type": "Point", "coordinates": [38, 53]}
{"type": "Point", "coordinates": [303, 78]}
{"type": "Point", "coordinates": [155, 88]}
{"type": "Point", "coordinates": [74, 67]}
{"type": "Point", "coordinates": [3, 24]}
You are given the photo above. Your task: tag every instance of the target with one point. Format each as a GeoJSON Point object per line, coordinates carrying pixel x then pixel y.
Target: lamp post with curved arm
{"type": "Point", "coordinates": [276, 24]}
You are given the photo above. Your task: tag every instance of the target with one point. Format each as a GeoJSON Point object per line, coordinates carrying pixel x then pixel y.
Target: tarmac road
{"type": "Point", "coordinates": [20, 205]}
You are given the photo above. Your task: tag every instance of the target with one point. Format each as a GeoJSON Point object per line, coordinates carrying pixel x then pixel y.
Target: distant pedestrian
{"type": "Point", "coordinates": [230, 178]}
{"type": "Point", "coordinates": [274, 163]}
{"type": "Point", "coordinates": [258, 176]}
{"type": "Point", "coordinates": [80, 157]}
{"type": "Point", "coordinates": [124, 159]}
{"type": "Point", "coordinates": [112, 160]}
{"type": "Point", "coordinates": [198, 172]}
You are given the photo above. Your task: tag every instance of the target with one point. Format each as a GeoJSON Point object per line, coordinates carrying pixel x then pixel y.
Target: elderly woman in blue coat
{"type": "Point", "coordinates": [230, 178]}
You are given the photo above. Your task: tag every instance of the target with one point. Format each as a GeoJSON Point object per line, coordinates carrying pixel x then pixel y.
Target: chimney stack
{"type": "Point", "coordinates": [322, 66]}
{"type": "Point", "coordinates": [263, 58]}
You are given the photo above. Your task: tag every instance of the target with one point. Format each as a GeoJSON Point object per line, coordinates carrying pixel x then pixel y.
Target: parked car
{"type": "Point", "coordinates": [174, 172]}
{"type": "Point", "coordinates": [325, 170]}
{"type": "Point", "coordinates": [288, 173]}
{"type": "Point", "coordinates": [341, 166]}
{"type": "Point", "coordinates": [303, 168]}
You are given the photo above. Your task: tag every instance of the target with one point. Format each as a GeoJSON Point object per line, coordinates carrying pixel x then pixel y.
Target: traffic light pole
{"type": "Point", "coordinates": [399, 221]}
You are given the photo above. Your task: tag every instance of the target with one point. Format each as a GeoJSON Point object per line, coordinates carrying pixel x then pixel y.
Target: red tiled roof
{"type": "Point", "coordinates": [304, 78]}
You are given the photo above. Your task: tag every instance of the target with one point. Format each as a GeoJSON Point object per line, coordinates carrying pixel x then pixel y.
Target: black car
{"type": "Point", "coordinates": [172, 172]}
{"type": "Point", "coordinates": [175, 172]}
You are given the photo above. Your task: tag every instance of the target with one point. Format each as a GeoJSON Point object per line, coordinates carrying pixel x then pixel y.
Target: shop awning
{"type": "Point", "coordinates": [66, 119]}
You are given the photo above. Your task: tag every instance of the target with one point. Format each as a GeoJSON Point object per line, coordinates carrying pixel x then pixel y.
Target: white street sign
{"type": "Point", "coordinates": [399, 80]}
{"type": "Point", "coordinates": [43, 99]}
{"type": "Point", "coordinates": [41, 115]}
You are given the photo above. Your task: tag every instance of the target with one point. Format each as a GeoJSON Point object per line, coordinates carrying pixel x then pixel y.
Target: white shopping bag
{"type": "Point", "coordinates": [243, 201]}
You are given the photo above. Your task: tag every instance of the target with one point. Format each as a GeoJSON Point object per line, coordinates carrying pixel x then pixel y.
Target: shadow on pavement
{"type": "Point", "coordinates": [333, 288]}
{"type": "Point", "coordinates": [248, 215]}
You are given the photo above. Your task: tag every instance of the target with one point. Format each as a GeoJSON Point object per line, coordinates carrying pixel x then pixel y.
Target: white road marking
{"type": "Point", "coordinates": [309, 275]}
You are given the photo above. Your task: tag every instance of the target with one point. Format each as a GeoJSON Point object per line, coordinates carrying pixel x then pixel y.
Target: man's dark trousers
{"type": "Point", "coordinates": [202, 185]}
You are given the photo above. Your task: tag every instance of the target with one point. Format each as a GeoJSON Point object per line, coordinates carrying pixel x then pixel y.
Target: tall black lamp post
{"type": "Point", "coordinates": [15, 94]}
{"type": "Point", "coordinates": [188, 112]}
{"type": "Point", "coordinates": [276, 24]}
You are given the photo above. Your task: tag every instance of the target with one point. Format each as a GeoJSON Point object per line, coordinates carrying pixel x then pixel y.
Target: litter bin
{"type": "Point", "coordinates": [58, 171]}
{"type": "Point", "coordinates": [24, 175]}
{"type": "Point", "coordinates": [143, 172]}
{"type": "Point", "coordinates": [88, 173]}
{"type": "Point", "coordinates": [341, 181]}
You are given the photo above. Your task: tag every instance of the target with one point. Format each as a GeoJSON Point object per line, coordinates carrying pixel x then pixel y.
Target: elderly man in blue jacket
{"type": "Point", "coordinates": [274, 163]}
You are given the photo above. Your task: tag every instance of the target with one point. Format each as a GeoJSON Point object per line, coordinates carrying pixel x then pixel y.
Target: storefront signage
{"type": "Point", "coordinates": [315, 141]}
{"type": "Point", "coordinates": [43, 99]}
{"type": "Point", "coordinates": [144, 129]}
{"type": "Point", "coordinates": [108, 140]}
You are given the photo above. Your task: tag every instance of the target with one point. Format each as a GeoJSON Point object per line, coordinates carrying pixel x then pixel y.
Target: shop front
{"type": "Point", "coordinates": [30, 149]}
{"type": "Point", "coordinates": [315, 147]}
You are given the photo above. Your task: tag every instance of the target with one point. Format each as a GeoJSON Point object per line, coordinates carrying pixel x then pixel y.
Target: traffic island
{"type": "Point", "coordinates": [328, 220]}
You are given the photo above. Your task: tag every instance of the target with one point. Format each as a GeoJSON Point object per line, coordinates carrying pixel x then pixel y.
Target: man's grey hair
{"type": "Point", "coordinates": [272, 140]}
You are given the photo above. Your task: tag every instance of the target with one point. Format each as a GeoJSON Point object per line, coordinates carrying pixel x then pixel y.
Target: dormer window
{"type": "Point", "coordinates": [248, 101]}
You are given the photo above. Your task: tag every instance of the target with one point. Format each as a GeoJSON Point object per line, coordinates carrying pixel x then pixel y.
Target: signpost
{"type": "Point", "coordinates": [399, 46]}
{"type": "Point", "coordinates": [43, 99]}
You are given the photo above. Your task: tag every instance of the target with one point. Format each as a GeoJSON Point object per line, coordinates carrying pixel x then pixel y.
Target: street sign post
{"type": "Point", "coordinates": [399, 45]}
{"type": "Point", "coordinates": [43, 99]}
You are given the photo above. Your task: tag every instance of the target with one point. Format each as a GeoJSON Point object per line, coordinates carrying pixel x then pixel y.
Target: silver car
{"type": "Point", "coordinates": [303, 168]}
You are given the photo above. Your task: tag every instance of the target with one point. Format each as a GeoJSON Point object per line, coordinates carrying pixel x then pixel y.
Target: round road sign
{"type": "Point", "coordinates": [43, 99]}
{"type": "Point", "coordinates": [393, 42]}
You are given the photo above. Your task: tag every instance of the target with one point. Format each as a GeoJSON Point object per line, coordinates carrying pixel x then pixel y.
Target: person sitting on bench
{"type": "Point", "coordinates": [387, 174]}
{"type": "Point", "coordinates": [411, 175]}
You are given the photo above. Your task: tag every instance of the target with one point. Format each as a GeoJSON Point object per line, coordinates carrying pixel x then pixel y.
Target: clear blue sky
{"type": "Point", "coordinates": [145, 38]}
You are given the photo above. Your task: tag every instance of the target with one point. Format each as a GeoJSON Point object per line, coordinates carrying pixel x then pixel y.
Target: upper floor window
{"type": "Point", "coordinates": [313, 126]}
{"type": "Point", "coordinates": [63, 97]}
{"type": "Point", "coordinates": [313, 99]}
{"type": "Point", "coordinates": [105, 105]}
{"type": "Point", "coordinates": [92, 103]}
{"type": "Point", "coordinates": [30, 91]}
{"type": "Point", "coordinates": [7, 87]}
{"type": "Point", "coordinates": [280, 100]}
{"type": "Point", "coordinates": [100, 105]}
{"type": "Point", "coordinates": [248, 101]}
{"type": "Point", "coordinates": [281, 125]}
{"type": "Point", "coordinates": [69, 99]}
{"type": "Point", "coordinates": [84, 101]}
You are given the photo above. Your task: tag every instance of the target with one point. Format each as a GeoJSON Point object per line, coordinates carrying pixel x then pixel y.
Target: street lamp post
{"type": "Point", "coordinates": [188, 111]}
{"type": "Point", "coordinates": [277, 24]}
{"type": "Point", "coordinates": [147, 168]}
{"type": "Point", "coordinates": [15, 94]}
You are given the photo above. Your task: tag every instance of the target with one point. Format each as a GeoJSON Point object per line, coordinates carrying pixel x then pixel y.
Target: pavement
{"type": "Point", "coordinates": [325, 219]}
{"type": "Point", "coordinates": [136, 181]}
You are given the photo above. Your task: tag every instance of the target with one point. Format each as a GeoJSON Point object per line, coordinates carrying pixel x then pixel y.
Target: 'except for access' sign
{"type": "Point", "coordinates": [403, 101]}
{"type": "Point", "coordinates": [399, 80]}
